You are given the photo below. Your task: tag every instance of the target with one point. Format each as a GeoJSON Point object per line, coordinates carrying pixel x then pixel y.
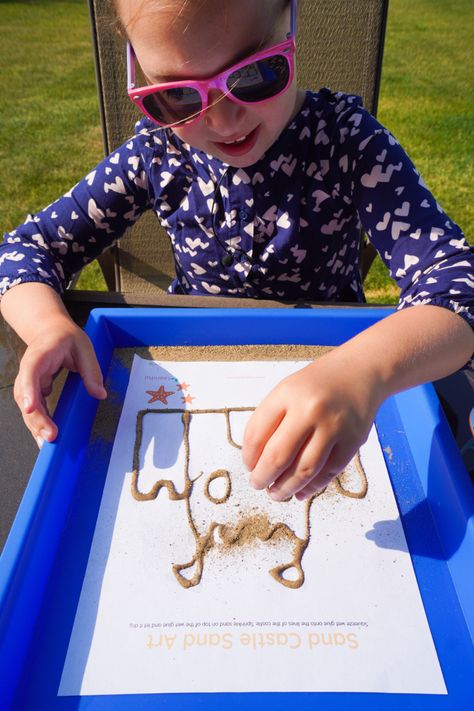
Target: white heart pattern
{"type": "Point", "coordinates": [298, 208]}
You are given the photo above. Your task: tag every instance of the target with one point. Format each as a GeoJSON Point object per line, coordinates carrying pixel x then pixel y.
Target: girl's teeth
{"type": "Point", "coordinates": [239, 140]}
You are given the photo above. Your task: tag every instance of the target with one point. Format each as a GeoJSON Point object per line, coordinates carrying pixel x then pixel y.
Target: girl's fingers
{"type": "Point", "coordinates": [38, 368]}
{"type": "Point", "coordinates": [309, 461]}
{"type": "Point", "coordinates": [32, 383]}
{"type": "Point", "coordinates": [260, 428]}
{"type": "Point", "coordinates": [90, 372]}
{"type": "Point", "coordinates": [335, 464]}
{"type": "Point", "coordinates": [34, 412]}
{"type": "Point", "coordinates": [314, 487]}
{"type": "Point", "coordinates": [41, 425]}
{"type": "Point", "coordinates": [280, 451]}
{"type": "Point", "coordinates": [25, 403]}
{"type": "Point", "coordinates": [318, 484]}
{"type": "Point", "coordinates": [26, 390]}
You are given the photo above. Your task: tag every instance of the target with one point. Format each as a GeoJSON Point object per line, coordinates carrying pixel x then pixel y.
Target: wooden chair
{"type": "Point", "coordinates": [340, 45]}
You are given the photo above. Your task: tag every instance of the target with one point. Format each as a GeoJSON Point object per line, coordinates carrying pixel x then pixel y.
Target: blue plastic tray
{"type": "Point", "coordinates": [45, 557]}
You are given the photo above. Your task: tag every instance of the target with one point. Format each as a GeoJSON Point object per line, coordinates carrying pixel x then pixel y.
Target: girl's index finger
{"type": "Point", "coordinates": [264, 421]}
{"type": "Point", "coordinates": [281, 450]}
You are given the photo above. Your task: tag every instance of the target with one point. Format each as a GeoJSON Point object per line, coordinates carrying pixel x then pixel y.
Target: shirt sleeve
{"type": "Point", "coordinates": [56, 243]}
{"type": "Point", "coordinates": [425, 251]}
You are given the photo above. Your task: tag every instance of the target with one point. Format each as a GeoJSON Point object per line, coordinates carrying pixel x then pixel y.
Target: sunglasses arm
{"type": "Point", "coordinates": [294, 14]}
{"type": "Point", "coordinates": [130, 67]}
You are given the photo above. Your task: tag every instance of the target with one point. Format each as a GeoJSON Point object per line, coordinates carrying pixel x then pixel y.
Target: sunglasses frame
{"type": "Point", "coordinates": [218, 81]}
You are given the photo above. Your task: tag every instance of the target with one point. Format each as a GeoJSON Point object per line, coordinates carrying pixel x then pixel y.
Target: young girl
{"type": "Point", "coordinates": [263, 189]}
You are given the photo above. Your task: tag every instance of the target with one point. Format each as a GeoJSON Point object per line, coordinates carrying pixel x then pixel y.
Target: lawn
{"type": "Point", "coordinates": [50, 134]}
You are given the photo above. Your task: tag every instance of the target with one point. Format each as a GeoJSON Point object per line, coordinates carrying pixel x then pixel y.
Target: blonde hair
{"type": "Point", "coordinates": [165, 5]}
{"type": "Point", "coordinates": [194, 6]}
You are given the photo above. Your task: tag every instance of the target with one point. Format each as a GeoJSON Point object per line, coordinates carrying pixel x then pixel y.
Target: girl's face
{"type": "Point", "coordinates": [192, 39]}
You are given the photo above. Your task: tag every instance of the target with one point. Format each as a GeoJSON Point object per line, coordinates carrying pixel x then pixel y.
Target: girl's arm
{"type": "Point", "coordinates": [311, 425]}
{"type": "Point", "coordinates": [53, 245]}
{"type": "Point", "coordinates": [35, 311]}
{"type": "Point", "coordinates": [39, 258]}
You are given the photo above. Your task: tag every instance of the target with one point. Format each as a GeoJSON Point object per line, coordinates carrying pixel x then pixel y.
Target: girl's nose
{"type": "Point", "coordinates": [223, 116]}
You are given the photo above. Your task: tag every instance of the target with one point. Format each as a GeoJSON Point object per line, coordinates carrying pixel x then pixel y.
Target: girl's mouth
{"type": "Point", "coordinates": [241, 145]}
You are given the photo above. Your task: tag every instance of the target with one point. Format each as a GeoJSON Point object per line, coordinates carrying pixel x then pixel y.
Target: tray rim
{"type": "Point", "coordinates": [105, 325]}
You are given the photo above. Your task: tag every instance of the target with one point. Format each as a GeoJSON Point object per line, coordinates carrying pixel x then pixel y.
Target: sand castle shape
{"type": "Point", "coordinates": [247, 528]}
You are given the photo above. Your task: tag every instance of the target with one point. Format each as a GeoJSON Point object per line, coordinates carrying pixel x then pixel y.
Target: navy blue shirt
{"type": "Point", "coordinates": [291, 222]}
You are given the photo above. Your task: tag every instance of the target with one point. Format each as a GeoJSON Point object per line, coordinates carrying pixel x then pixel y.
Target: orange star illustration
{"type": "Point", "coordinates": [188, 398]}
{"type": "Point", "coordinates": [161, 394]}
{"type": "Point", "coordinates": [183, 386]}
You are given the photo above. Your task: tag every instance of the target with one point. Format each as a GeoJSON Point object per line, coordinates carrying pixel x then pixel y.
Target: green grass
{"type": "Point", "coordinates": [427, 101]}
{"type": "Point", "coordinates": [49, 126]}
{"type": "Point", "coordinates": [50, 135]}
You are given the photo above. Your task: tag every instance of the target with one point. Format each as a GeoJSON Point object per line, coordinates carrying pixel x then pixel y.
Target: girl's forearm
{"type": "Point", "coordinates": [409, 347]}
{"type": "Point", "coordinates": [412, 346]}
{"type": "Point", "coordinates": [33, 307]}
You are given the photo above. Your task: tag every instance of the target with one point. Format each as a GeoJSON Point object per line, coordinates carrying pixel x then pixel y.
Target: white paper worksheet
{"type": "Point", "coordinates": [198, 583]}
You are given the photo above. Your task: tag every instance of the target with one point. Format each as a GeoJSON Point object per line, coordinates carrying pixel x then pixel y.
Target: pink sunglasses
{"type": "Point", "coordinates": [258, 78]}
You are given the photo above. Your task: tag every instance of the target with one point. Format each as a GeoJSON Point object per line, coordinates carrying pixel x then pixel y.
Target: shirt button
{"type": "Point", "coordinates": [243, 214]}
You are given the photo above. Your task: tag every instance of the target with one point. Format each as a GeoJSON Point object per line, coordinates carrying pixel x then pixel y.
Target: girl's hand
{"type": "Point", "coordinates": [61, 345]}
{"type": "Point", "coordinates": [309, 427]}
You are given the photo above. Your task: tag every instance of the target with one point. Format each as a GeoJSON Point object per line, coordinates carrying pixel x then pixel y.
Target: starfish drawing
{"type": "Point", "coordinates": [161, 394]}
{"type": "Point", "coordinates": [183, 386]}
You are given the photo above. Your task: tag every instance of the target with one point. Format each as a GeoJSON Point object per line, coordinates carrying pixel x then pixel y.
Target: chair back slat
{"type": "Point", "coordinates": [340, 45]}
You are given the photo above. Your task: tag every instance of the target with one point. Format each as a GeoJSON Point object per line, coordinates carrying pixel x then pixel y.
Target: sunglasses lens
{"type": "Point", "coordinates": [260, 80]}
{"type": "Point", "coordinates": [173, 105]}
